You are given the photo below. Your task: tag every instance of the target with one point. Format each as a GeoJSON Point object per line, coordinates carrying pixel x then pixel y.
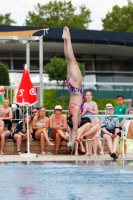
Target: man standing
{"type": "Point", "coordinates": [2, 137]}
{"type": "Point", "coordinates": [6, 113]}
{"type": "Point", "coordinates": [120, 109]}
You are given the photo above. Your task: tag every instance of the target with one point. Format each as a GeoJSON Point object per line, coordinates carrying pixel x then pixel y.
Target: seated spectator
{"type": "Point", "coordinates": [20, 132]}
{"type": "Point", "coordinates": [34, 112]}
{"type": "Point", "coordinates": [58, 124]}
{"type": "Point", "coordinates": [127, 125]}
{"type": "Point", "coordinates": [6, 113]}
{"type": "Point", "coordinates": [40, 125]}
{"type": "Point", "coordinates": [89, 131]}
{"type": "Point", "coordinates": [110, 130]}
{"type": "Point", "coordinates": [2, 137]}
{"type": "Point", "coordinates": [91, 108]}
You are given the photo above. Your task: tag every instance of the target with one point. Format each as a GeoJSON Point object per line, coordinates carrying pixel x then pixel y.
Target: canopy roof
{"type": "Point", "coordinates": [23, 33]}
{"type": "Point", "coordinates": [77, 35]}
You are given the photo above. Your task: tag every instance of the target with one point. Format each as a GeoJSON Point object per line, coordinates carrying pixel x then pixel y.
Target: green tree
{"type": "Point", "coordinates": [57, 69]}
{"type": "Point", "coordinates": [120, 19]}
{"type": "Point", "coordinates": [6, 20]}
{"type": "Point", "coordinates": [59, 14]}
{"type": "Point", "coordinates": [4, 75]}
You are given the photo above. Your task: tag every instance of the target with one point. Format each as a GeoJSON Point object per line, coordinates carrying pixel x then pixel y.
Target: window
{"type": "Point", "coordinates": [104, 78]}
{"type": "Point", "coordinates": [19, 64]}
{"type": "Point", "coordinates": [102, 65]}
{"type": "Point", "coordinates": [122, 66]}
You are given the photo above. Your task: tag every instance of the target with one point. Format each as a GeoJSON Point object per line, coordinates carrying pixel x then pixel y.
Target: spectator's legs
{"type": "Point", "coordinates": [42, 141]}
{"type": "Point", "coordinates": [18, 140]}
{"type": "Point", "coordinates": [115, 143]}
{"type": "Point", "coordinates": [76, 148]}
{"type": "Point", "coordinates": [46, 137]}
{"type": "Point", "coordinates": [9, 122]}
{"type": "Point", "coordinates": [91, 132]}
{"type": "Point", "coordinates": [88, 148]}
{"type": "Point", "coordinates": [25, 138]}
{"type": "Point", "coordinates": [130, 131]}
{"type": "Point", "coordinates": [82, 147]}
{"type": "Point", "coordinates": [109, 142]}
{"type": "Point", "coordinates": [83, 129]}
{"type": "Point", "coordinates": [61, 133]}
{"type": "Point", "coordinates": [57, 143]}
{"type": "Point", "coordinates": [2, 136]}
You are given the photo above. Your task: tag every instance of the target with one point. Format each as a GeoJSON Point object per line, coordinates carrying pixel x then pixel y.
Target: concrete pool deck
{"type": "Point", "coordinates": [61, 157]}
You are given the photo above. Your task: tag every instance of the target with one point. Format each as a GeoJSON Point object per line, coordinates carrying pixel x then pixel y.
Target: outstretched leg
{"type": "Point", "coordinates": [73, 69]}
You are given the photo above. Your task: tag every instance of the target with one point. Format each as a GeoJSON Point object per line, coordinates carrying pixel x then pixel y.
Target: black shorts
{"type": "Point", "coordinates": [33, 135]}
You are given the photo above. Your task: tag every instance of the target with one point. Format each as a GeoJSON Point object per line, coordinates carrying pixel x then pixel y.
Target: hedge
{"type": "Point", "coordinates": [50, 100]}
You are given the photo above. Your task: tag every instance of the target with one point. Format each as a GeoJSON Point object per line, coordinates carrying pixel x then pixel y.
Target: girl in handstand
{"type": "Point", "coordinates": [74, 84]}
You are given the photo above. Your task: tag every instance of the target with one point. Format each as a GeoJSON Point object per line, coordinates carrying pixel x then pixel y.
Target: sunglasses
{"type": "Point", "coordinates": [58, 109]}
{"type": "Point", "coordinates": [109, 108]}
{"type": "Point", "coordinates": [34, 112]}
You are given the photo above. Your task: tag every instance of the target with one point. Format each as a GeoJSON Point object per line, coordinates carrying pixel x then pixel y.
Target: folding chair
{"type": "Point", "coordinates": [86, 142]}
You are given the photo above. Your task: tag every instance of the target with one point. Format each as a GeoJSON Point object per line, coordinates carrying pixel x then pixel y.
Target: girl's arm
{"type": "Point", "coordinates": [47, 123]}
{"type": "Point", "coordinates": [51, 122]}
{"type": "Point", "coordinates": [34, 127]}
{"type": "Point", "coordinates": [122, 122]}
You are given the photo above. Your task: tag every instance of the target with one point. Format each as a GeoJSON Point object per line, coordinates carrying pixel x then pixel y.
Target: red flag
{"type": "Point", "coordinates": [26, 95]}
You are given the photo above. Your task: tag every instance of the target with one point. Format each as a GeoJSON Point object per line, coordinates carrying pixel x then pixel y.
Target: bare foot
{"type": "Point", "coordinates": [88, 154]}
{"type": "Point", "coordinates": [56, 153]}
{"type": "Point", "coordinates": [101, 153]}
{"type": "Point", "coordinates": [51, 144]}
{"type": "Point", "coordinates": [66, 33]}
{"type": "Point", "coordinates": [69, 144]}
{"type": "Point", "coordinates": [82, 149]}
{"type": "Point", "coordinates": [76, 154]}
{"type": "Point", "coordinates": [94, 155]}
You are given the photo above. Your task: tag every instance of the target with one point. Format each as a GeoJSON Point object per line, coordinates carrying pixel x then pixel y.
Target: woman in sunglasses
{"type": "Point", "coordinates": [74, 85]}
{"type": "Point", "coordinates": [58, 124]}
{"type": "Point", "coordinates": [34, 112]}
{"type": "Point", "coordinates": [40, 125]}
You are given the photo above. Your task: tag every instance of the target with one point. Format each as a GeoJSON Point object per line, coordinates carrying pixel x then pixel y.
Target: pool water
{"type": "Point", "coordinates": [77, 180]}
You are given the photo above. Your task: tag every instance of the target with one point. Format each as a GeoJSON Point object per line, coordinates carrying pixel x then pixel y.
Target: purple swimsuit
{"type": "Point", "coordinates": [73, 89]}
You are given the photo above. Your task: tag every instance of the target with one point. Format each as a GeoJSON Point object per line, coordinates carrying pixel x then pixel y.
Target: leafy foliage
{"type": "Point", "coordinates": [4, 75]}
{"type": "Point", "coordinates": [6, 20]}
{"type": "Point", "coordinates": [120, 19]}
{"type": "Point", "coordinates": [57, 69]}
{"type": "Point", "coordinates": [51, 99]}
{"type": "Point", "coordinates": [58, 14]}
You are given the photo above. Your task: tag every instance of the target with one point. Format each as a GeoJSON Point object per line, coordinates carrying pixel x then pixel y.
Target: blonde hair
{"type": "Point", "coordinates": [38, 116]}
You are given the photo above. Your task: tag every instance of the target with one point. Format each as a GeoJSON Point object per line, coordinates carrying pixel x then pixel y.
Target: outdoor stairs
{"type": "Point", "coordinates": [11, 149]}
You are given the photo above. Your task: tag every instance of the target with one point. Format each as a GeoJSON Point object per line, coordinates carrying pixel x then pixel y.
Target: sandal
{"type": "Point", "coordinates": [79, 139]}
{"type": "Point", "coordinates": [101, 153]}
{"type": "Point", "coordinates": [43, 153]}
{"type": "Point", "coordinates": [19, 152]}
{"type": "Point", "coordinates": [48, 153]}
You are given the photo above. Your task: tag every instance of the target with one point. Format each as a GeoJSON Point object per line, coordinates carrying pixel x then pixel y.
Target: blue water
{"type": "Point", "coordinates": [80, 180]}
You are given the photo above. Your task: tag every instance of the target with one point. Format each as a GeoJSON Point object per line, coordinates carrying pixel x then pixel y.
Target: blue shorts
{"type": "Point", "coordinates": [102, 134]}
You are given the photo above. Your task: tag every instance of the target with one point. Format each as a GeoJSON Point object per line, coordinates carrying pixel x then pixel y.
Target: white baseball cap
{"type": "Point", "coordinates": [109, 105]}
{"type": "Point", "coordinates": [58, 107]}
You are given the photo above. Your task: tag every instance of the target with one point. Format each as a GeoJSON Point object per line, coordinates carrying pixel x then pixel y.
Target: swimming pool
{"type": "Point", "coordinates": [77, 180]}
